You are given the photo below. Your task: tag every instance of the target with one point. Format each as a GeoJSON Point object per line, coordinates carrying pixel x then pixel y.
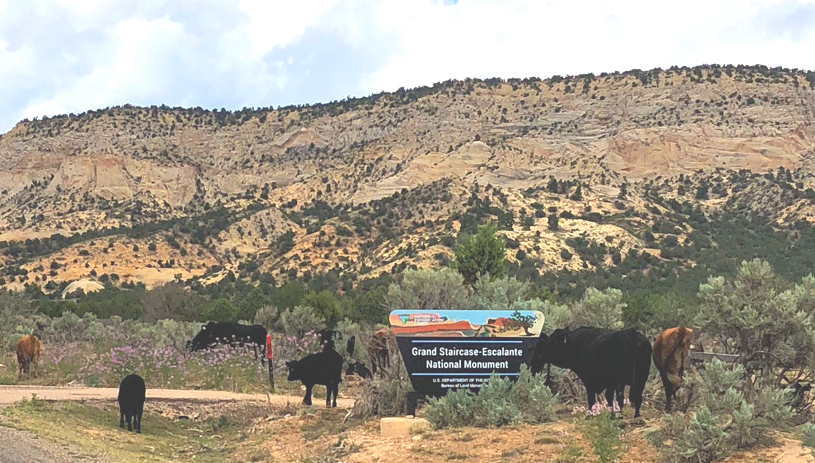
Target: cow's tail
{"type": "Point", "coordinates": [642, 363]}
{"type": "Point", "coordinates": [678, 346]}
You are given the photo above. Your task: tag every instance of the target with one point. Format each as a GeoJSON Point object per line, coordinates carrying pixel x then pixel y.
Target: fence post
{"type": "Point", "coordinates": [270, 358]}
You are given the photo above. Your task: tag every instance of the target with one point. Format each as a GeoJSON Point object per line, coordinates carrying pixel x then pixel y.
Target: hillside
{"type": "Point", "coordinates": [614, 179]}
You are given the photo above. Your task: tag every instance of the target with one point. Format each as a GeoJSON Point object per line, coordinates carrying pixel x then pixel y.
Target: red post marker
{"type": "Point", "coordinates": [269, 356]}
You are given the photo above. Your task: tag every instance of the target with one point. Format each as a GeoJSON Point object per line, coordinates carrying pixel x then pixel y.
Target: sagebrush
{"type": "Point", "coordinates": [499, 402]}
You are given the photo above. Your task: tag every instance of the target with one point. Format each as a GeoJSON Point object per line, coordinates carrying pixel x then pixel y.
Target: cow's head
{"type": "Point", "coordinates": [539, 355]}
{"type": "Point", "coordinates": [801, 388]}
{"type": "Point", "coordinates": [557, 348]}
{"type": "Point", "coordinates": [294, 372]}
{"type": "Point", "coordinates": [204, 338]}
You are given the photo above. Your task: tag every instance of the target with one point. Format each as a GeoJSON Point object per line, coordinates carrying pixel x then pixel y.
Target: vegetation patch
{"type": "Point", "coordinates": [95, 430]}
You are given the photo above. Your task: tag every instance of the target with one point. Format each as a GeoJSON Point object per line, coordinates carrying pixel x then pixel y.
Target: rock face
{"type": "Point", "coordinates": [281, 187]}
{"type": "Point", "coordinates": [87, 286]}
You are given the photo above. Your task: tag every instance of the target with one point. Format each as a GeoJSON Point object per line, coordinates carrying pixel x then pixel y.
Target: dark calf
{"type": "Point", "coordinates": [360, 369]}
{"type": "Point", "coordinates": [799, 392]}
{"type": "Point", "coordinates": [350, 346]}
{"type": "Point", "coordinates": [604, 360]}
{"type": "Point", "coordinates": [324, 368]}
{"type": "Point", "coordinates": [131, 402]}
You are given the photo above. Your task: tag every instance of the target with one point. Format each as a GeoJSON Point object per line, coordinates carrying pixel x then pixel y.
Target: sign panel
{"type": "Point", "coordinates": [453, 349]}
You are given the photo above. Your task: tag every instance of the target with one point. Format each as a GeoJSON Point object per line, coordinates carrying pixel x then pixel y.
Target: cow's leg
{"type": "Point", "coordinates": [329, 388]}
{"type": "Point", "coordinates": [307, 398]}
{"type": "Point", "coordinates": [635, 396]}
{"type": "Point", "coordinates": [591, 396]}
{"type": "Point", "coordinates": [669, 391]}
{"type": "Point", "coordinates": [138, 415]}
{"type": "Point", "coordinates": [610, 399]}
{"type": "Point", "coordinates": [121, 419]}
{"type": "Point", "coordinates": [336, 392]}
{"type": "Point", "coordinates": [621, 398]}
{"type": "Point", "coordinates": [130, 420]}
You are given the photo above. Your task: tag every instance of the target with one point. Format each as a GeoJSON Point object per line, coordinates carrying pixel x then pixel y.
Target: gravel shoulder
{"type": "Point", "coordinates": [18, 446]}
{"type": "Point", "coordinates": [12, 394]}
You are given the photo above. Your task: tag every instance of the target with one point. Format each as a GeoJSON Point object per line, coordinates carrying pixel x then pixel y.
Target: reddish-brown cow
{"type": "Point", "coordinates": [671, 350]}
{"type": "Point", "coordinates": [379, 348]}
{"type": "Point", "coordinates": [28, 352]}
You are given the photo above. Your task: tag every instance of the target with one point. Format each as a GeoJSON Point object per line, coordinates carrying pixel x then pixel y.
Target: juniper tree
{"type": "Point", "coordinates": [482, 254]}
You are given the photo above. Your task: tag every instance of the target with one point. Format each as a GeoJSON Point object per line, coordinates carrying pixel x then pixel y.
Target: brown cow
{"type": "Point", "coordinates": [671, 350]}
{"type": "Point", "coordinates": [28, 352]}
{"type": "Point", "coordinates": [379, 348]}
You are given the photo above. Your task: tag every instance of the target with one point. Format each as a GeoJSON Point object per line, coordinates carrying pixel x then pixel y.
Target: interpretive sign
{"type": "Point", "coordinates": [452, 349]}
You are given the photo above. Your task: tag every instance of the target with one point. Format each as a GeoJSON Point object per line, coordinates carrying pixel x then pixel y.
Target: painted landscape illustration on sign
{"type": "Point", "coordinates": [467, 323]}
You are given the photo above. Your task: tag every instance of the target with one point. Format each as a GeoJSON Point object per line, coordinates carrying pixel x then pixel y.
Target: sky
{"type": "Point", "coordinates": [69, 56]}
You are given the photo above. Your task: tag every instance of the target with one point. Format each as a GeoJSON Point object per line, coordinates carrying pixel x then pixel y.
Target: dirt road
{"type": "Point", "coordinates": [11, 394]}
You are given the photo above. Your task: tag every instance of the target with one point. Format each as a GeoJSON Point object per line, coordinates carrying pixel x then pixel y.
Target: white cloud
{"type": "Point", "coordinates": [60, 56]}
{"type": "Point", "coordinates": [279, 22]}
{"type": "Point", "coordinates": [519, 39]}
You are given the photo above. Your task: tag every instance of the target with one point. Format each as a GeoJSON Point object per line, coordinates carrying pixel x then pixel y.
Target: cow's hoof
{"type": "Point", "coordinates": [138, 431]}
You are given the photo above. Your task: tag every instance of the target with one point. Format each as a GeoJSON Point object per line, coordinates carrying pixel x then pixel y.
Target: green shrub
{"type": "Point", "coordinates": [703, 439]}
{"type": "Point", "coordinates": [536, 401]}
{"type": "Point", "coordinates": [300, 320]}
{"type": "Point", "coordinates": [326, 306]}
{"type": "Point", "coordinates": [494, 406]}
{"type": "Point", "coordinates": [428, 289]}
{"type": "Point", "coordinates": [604, 436]}
{"type": "Point", "coordinates": [498, 293]}
{"type": "Point", "coordinates": [452, 411]}
{"type": "Point", "coordinates": [807, 435]}
{"type": "Point", "coordinates": [499, 402]}
{"type": "Point", "coordinates": [267, 316]}
{"type": "Point", "coordinates": [603, 309]}
{"type": "Point", "coordinates": [773, 329]}
{"type": "Point", "coordinates": [731, 414]}
{"type": "Point", "coordinates": [482, 254]}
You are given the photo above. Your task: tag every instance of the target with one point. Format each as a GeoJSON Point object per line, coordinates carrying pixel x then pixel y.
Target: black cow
{"type": "Point", "coordinates": [131, 402]}
{"type": "Point", "coordinates": [230, 333]}
{"type": "Point", "coordinates": [604, 360]}
{"type": "Point", "coordinates": [324, 368]}
{"type": "Point", "coordinates": [360, 369]}
{"type": "Point", "coordinates": [797, 399]}
{"type": "Point", "coordinates": [350, 345]}
{"type": "Point", "coordinates": [328, 336]}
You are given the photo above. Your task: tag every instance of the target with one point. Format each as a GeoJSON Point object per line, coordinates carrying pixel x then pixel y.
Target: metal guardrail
{"type": "Point", "coordinates": [708, 356]}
